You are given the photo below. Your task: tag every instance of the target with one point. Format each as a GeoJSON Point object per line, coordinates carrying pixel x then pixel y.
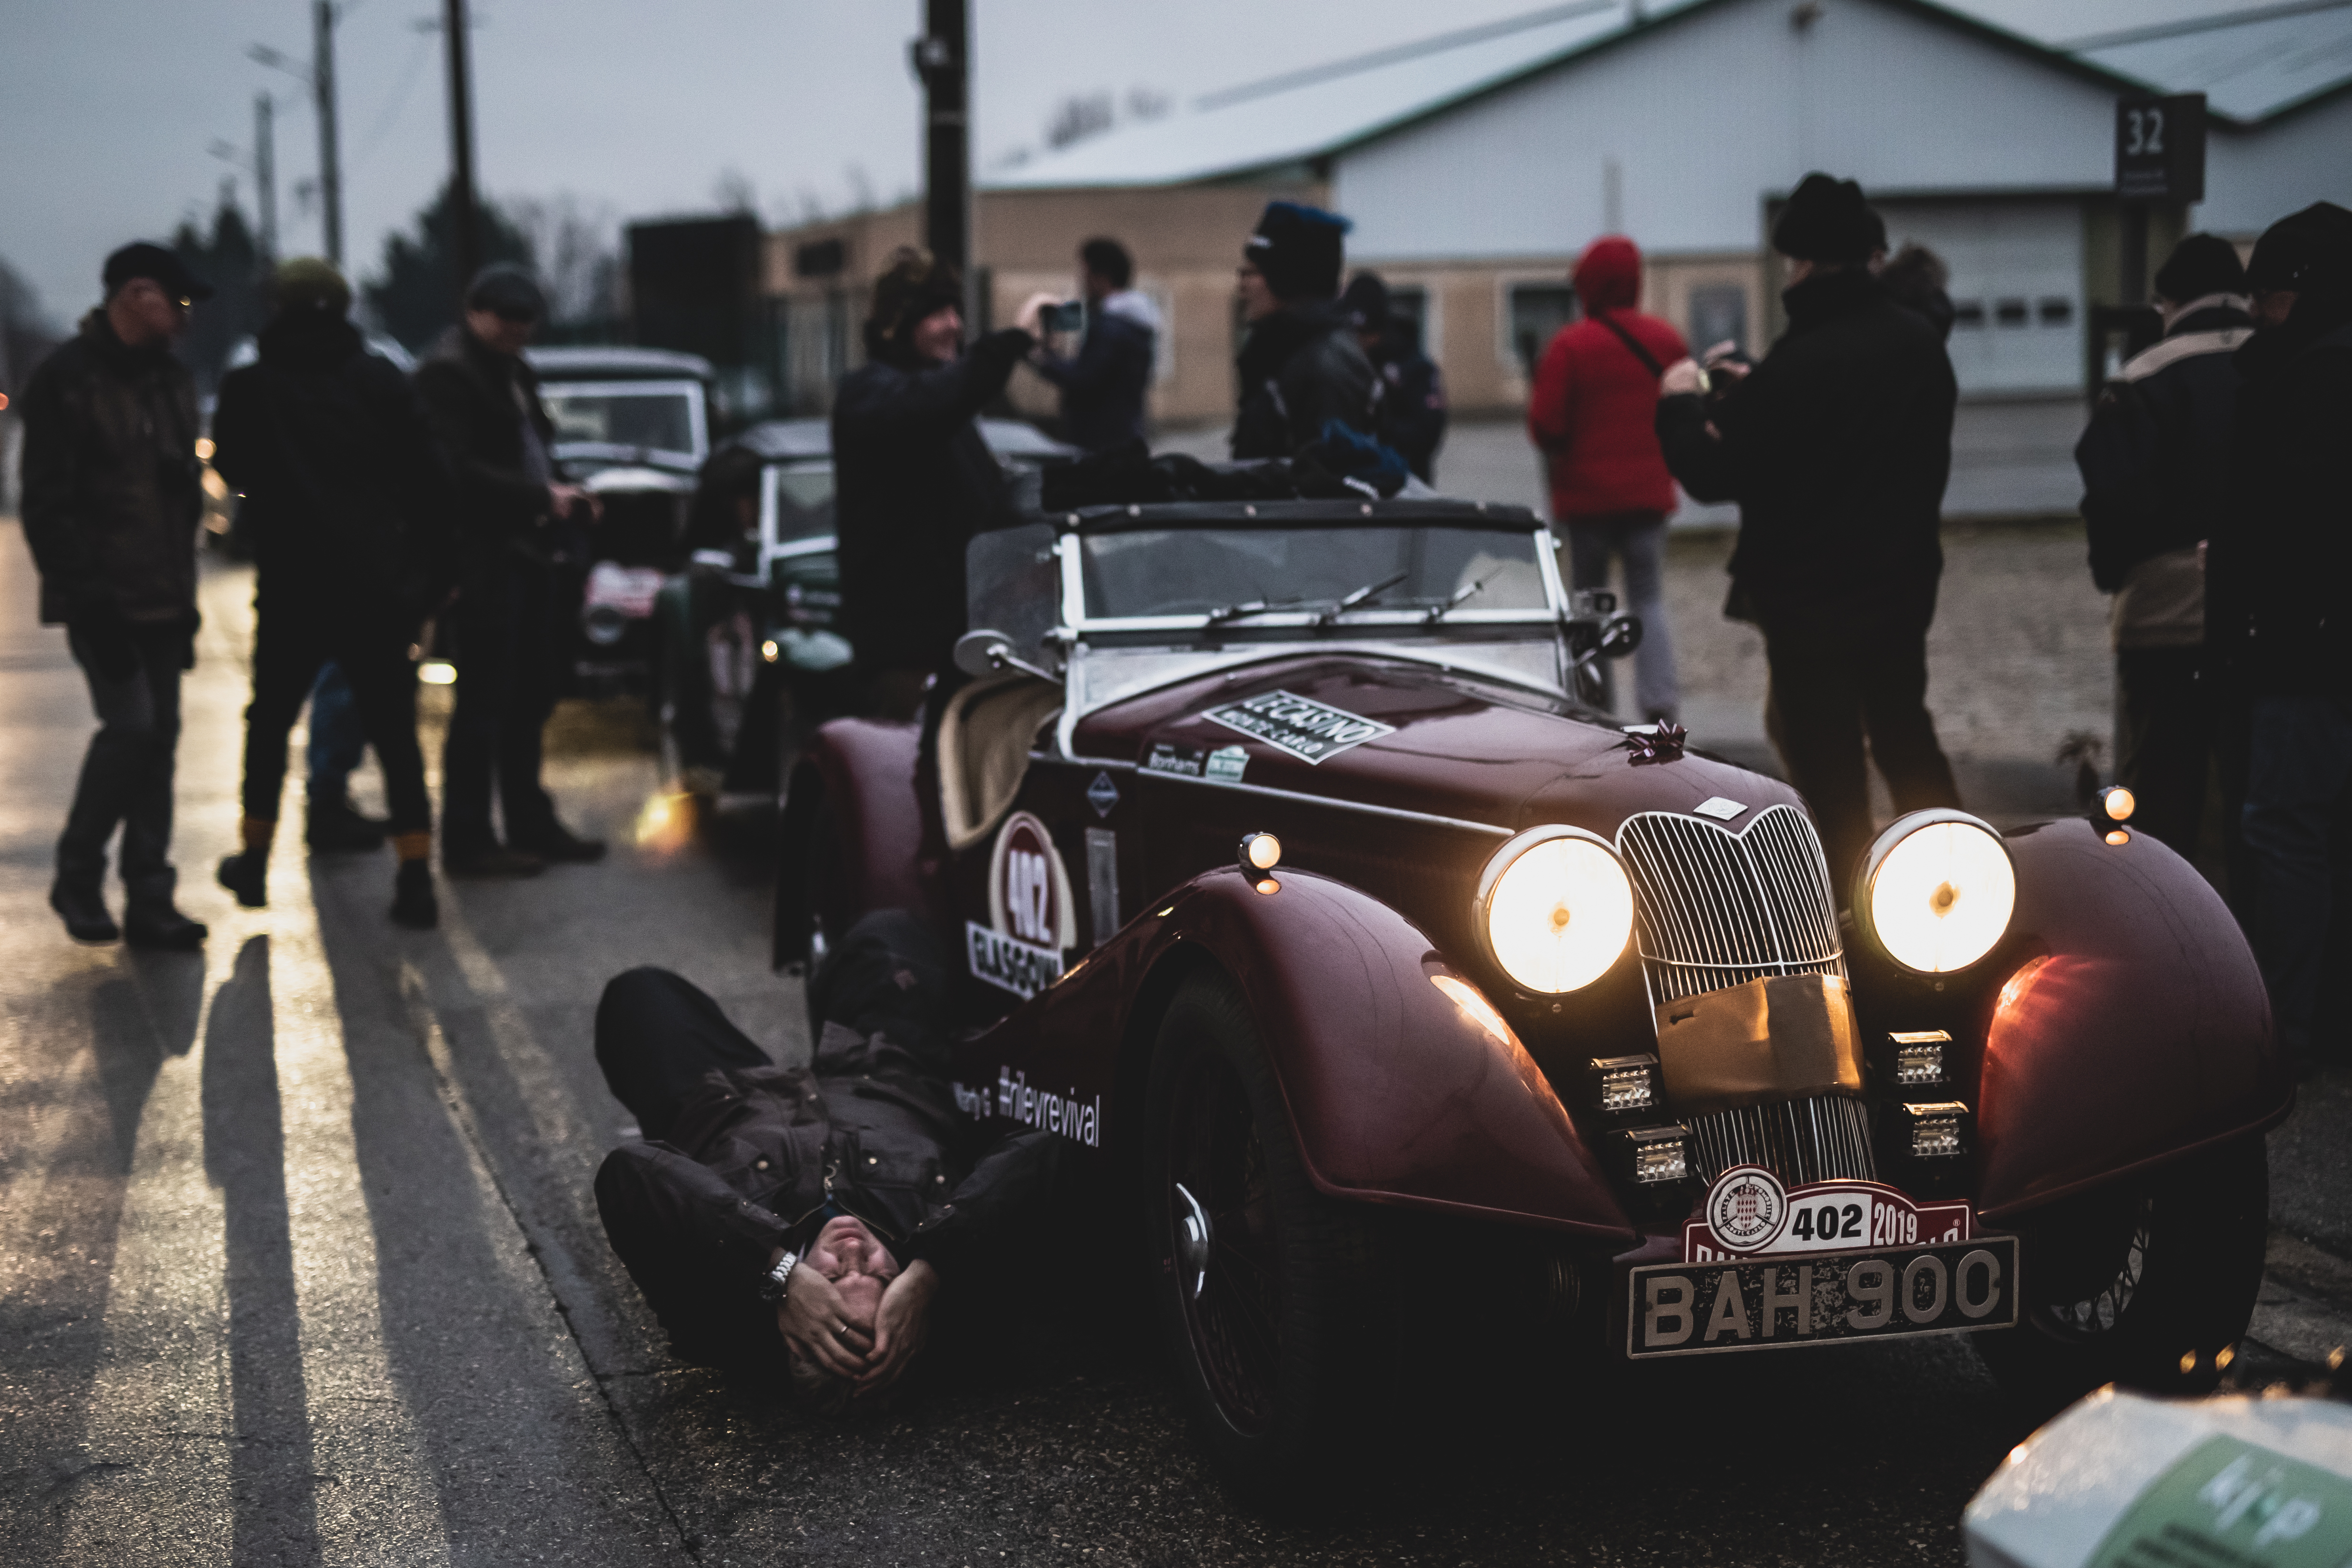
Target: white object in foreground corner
{"type": "Point", "coordinates": [2119, 1480]}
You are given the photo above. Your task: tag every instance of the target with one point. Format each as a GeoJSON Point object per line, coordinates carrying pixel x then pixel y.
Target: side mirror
{"type": "Point", "coordinates": [1621, 636]}
{"type": "Point", "coordinates": [985, 652]}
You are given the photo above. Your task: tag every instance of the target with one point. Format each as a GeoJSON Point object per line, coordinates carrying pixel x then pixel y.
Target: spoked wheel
{"type": "Point", "coordinates": [1267, 1291]}
{"type": "Point", "coordinates": [2147, 1284]}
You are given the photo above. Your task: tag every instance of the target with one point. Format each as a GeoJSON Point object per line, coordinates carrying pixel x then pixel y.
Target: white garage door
{"type": "Point", "coordinates": [2017, 283]}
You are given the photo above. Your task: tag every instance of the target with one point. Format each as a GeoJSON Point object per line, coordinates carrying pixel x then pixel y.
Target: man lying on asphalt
{"type": "Point", "coordinates": [801, 1220]}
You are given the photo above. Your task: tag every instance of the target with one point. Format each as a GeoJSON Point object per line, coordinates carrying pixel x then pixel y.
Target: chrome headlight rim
{"type": "Point", "coordinates": [1491, 875]}
{"type": "Point", "coordinates": [1866, 879]}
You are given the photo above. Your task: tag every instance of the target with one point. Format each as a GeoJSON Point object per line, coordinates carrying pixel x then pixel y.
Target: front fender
{"type": "Point", "coordinates": [1396, 1095]}
{"type": "Point", "coordinates": [2136, 1028]}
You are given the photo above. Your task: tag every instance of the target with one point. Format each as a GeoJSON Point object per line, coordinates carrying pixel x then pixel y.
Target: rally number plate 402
{"type": "Point", "coordinates": [1774, 1301]}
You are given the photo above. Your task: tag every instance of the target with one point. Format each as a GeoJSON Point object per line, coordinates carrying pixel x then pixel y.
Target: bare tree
{"type": "Point", "coordinates": [1078, 116]}
{"type": "Point", "coordinates": [734, 192]}
{"type": "Point", "coordinates": [578, 248]}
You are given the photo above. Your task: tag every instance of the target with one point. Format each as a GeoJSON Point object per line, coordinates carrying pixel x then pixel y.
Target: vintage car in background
{"type": "Point", "coordinates": [632, 428]}
{"type": "Point", "coordinates": [1423, 1023]}
{"type": "Point", "coordinates": [749, 663]}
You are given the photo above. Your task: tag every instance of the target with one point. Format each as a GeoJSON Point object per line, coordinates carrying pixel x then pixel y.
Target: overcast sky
{"type": "Point", "coordinates": [108, 108]}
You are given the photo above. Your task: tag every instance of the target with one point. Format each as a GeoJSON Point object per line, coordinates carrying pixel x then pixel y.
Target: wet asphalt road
{"type": "Point", "coordinates": [298, 1263]}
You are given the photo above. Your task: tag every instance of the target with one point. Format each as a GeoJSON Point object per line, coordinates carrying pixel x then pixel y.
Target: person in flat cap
{"type": "Point", "coordinates": [112, 502]}
{"type": "Point", "coordinates": [512, 501]}
{"type": "Point", "coordinates": [1301, 366]}
{"type": "Point", "coordinates": [2154, 461]}
{"type": "Point", "coordinates": [1836, 448]}
{"type": "Point", "coordinates": [1411, 413]}
{"type": "Point", "coordinates": [350, 504]}
{"type": "Point", "coordinates": [2278, 615]}
{"type": "Point", "coordinates": [913, 480]}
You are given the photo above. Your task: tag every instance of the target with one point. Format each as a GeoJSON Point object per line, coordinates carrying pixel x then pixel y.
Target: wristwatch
{"type": "Point", "coordinates": [779, 1279]}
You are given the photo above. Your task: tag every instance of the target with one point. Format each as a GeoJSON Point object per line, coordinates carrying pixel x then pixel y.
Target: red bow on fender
{"type": "Point", "coordinates": [1661, 743]}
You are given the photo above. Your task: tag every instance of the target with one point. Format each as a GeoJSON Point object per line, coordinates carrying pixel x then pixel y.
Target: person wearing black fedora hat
{"type": "Point", "coordinates": [1836, 448]}
{"type": "Point", "coordinates": [1301, 366]}
{"type": "Point", "coordinates": [2278, 610]}
{"type": "Point", "coordinates": [112, 501]}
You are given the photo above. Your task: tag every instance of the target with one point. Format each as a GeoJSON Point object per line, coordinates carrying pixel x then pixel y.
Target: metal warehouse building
{"type": "Point", "coordinates": [1477, 163]}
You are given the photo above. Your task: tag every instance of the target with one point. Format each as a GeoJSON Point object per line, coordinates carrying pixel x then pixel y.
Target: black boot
{"type": "Point", "coordinates": [162, 926]}
{"type": "Point", "coordinates": [336, 826]}
{"type": "Point", "coordinates": [246, 874]}
{"type": "Point", "coordinates": [551, 842]}
{"type": "Point", "coordinates": [413, 901]}
{"type": "Point", "coordinates": [85, 913]}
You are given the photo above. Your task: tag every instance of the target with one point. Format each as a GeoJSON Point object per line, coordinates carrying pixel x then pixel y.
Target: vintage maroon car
{"type": "Point", "coordinates": [1299, 891]}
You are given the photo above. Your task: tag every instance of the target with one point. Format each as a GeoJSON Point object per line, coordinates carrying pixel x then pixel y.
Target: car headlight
{"type": "Point", "coordinates": [1555, 909]}
{"type": "Point", "coordinates": [1937, 889]}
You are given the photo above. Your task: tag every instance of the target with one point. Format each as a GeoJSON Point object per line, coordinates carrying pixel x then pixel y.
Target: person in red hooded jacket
{"type": "Point", "coordinates": [1593, 412]}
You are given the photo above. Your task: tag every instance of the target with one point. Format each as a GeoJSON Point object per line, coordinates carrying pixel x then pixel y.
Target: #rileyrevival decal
{"type": "Point", "coordinates": [1067, 1114]}
{"type": "Point", "coordinates": [1031, 922]}
{"type": "Point", "coordinates": [1308, 730]}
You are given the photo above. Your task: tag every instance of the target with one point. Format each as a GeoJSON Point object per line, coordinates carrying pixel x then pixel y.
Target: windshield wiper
{"type": "Point", "coordinates": [1360, 596]}
{"type": "Point", "coordinates": [1439, 612]}
{"type": "Point", "coordinates": [1249, 607]}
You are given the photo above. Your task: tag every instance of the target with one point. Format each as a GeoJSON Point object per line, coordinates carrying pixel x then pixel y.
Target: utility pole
{"type": "Point", "coordinates": [943, 61]}
{"type": "Point", "coordinates": [265, 172]}
{"type": "Point", "coordinates": [462, 207]}
{"type": "Point", "coordinates": [331, 167]}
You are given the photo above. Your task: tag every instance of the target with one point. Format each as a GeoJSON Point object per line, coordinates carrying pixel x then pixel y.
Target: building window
{"type": "Point", "coordinates": [2057, 311]}
{"type": "Point", "coordinates": [1968, 315]}
{"type": "Point", "coordinates": [1718, 314]}
{"type": "Point", "coordinates": [1537, 313]}
{"type": "Point", "coordinates": [2011, 312]}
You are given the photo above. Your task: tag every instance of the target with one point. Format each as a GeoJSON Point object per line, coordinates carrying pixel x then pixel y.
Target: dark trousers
{"type": "Point", "coordinates": [507, 647]}
{"type": "Point", "coordinates": [338, 735]}
{"type": "Point", "coordinates": [1843, 674]}
{"type": "Point", "coordinates": [2163, 742]}
{"type": "Point", "coordinates": [292, 641]}
{"type": "Point", "coordinates": [126, 775]}
{"type": "Point", "coordinates": [2298, 784]}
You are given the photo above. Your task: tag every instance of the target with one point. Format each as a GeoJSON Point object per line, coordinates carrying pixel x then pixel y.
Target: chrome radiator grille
{"type": "Point", "coordinates": [1798, 1141]}
{"type": "Point", "coordinates": [1720, 909]}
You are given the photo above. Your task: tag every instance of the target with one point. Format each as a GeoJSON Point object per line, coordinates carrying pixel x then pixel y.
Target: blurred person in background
{"type": "Point", "coordinates": [914, 478]}
{"type": "Point", "coordinates": [1593, 412]}
{"type": "Point", "coordinates": [483, 401]}
{"type": "Point", "coordinates": [349, 503]}
{"type": "Point", "coordinates": [1836, 448]}
{"type": "Point", "coordinates": [1410, 417]}
{"type": "Point", "coordinates": [2278, 604]}
{"type": "Point", "coordinates": [1104, 384]}
{"type": "Point", "coordinates": [1301, 366]}
{"type": "Point", "coordinates": [1917, 278]}
{"type": "Point", "coordinates": [112, 503]}
{"type": "Point", "coordinates": [2156, 487]}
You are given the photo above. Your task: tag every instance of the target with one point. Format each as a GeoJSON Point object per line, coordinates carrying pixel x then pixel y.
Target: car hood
{"type": "Point", "coordinates": [1437, 742]}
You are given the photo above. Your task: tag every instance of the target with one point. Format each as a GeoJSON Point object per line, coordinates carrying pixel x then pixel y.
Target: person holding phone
{"type": "Point", "coordinates": [1117, 330]}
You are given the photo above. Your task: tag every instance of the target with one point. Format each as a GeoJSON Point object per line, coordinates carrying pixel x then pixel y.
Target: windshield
{"type": "Point", "coordinates": [651, 417]}
{"type": "Point", "coordinates": [804, 505]}
{"type": "Point", "coordinates": [1258, 575]}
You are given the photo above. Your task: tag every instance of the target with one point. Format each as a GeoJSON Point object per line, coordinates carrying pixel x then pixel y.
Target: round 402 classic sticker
{"type": "Point", "coordinates": [1746, 1208]}
{"type": "Point", "coordinates": [1031, 922]}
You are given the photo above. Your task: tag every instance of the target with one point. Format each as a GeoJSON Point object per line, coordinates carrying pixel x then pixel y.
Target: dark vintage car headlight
{"type": "Point", "coordinates": [1936, 890]}
{"type": "Point", "coordinates": [1555, 909]}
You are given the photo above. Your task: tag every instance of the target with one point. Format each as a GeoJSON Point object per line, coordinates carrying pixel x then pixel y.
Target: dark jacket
{"type": "Point", "coordinates": [477, 401]}
{"type": "Point", "coordinates": [1412, 413]}
{"type": "Point", "coordinates": [112, 486]}
{"type": "Point", "coordinates": [1836, 448]}
{"type": "Point", "coordinates": [1301, 368]}
{"type": "Point", "coordinates": [346, 490]}
{"type": "Point", "coordinates": [2278, 608]}
{"type": "Point", "coordinates": [1103, 387]}
{"type": "Point", "coordinates": [2154, 461]}
{"type": "Point", "coordinates": [913, 482]}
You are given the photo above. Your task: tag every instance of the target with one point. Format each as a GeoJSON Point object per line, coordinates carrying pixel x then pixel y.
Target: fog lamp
{"type": "Point", "coordinates": [1937, 889]}
{"type": "Point", "coordinates": [604, 625]}
{"type": "Point", "coordinates": [1655, 1156]}
{"type": "Point", "coordinates": [1620, 1084]}
{"type": "Point", "coordinates": [2114, 804]}
{"type": "Point", "coordinates": [770, 651]}
{"type": "Point", "coordinates": [1260, 852]}
{"type": "Point", "coordinates": [1919, 1055]}
{"type": "Point", "coordinates": [1938, 1130]}
{"type": "Point", "coordinates": [1555, 909]}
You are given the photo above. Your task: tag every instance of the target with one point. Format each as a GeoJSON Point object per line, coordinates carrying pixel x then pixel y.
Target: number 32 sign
{"type": "Point", "coordinates": [2160, 148]}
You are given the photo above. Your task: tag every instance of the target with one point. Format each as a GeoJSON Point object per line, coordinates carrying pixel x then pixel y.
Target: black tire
{"type": "Point", "coordinates": [2149, 1284]}
{"type": "Point", "coordinates": [1278, 1357]}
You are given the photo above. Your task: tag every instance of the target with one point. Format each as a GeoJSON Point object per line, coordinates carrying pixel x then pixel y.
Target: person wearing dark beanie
{"type": "Point", "coordinates": [2278, 608]}
{"type": "Point", "coordinates": [1836, 448]}
{"type": "Point", "coordinates": [1301, 367]}
{"type": "Point", "coordinates": [2155, 463]}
